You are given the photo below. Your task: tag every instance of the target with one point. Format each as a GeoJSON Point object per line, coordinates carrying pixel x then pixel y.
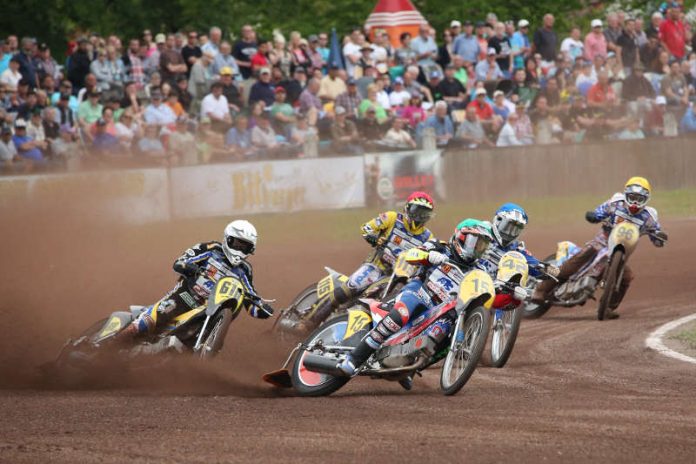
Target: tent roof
{"type": "Point", "coordinates": [394, 13]}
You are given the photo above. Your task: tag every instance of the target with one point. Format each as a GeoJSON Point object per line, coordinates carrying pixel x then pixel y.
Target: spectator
{"type": "Point", "coordinates": [230, 90]}
{"type": "Point", "coordinates": [89, 110]}
{"type": "Point", "coordinates": [172, 64]}
{"type": "Point", "coordinates": [282, 113]}
{"type": "Point", "coordinates": [440, 123]}
{"type": "Point", "coordinates": [213, 44]}
{"type": "Point", "coordinates": [369, 127]}
{"type": "Point", "coordinates": [302, 133]}
{"type": "Point", "coordinates": [501, 107]}
{"type": "Point", "coordinates": [350, 99]}
{"type": "Point", "coordinates": [673, 86]}
{"type": "Point", "coordinates": [107, 118]}
{"type": "Point", "coordinates": [191, 51]}
{"type": "Point", "coordinates": [263, 137]}
{"type": "Point", "coordinates": [503, 50]}
{"type": "Point", "coordinates": [133, 64]}
{"type": "Point", "coordinates": [425, 50]}
{"type": "Point", "coordinates": [655, 119]}
{"type": "Point", "coordinates": [27, 147]}
{"type": "Point", "coordinates": [632, 131]}
{"type": "Point", "coordinates": [172, 101]}
{"type": "Point", "coordinates": [150, 144]}
{"type": "Point", "coordinates": [524, 131]}
{"type": "Point", "coordinates": [641, 36]}
{"type": "Point", "coordinates": [413, 113]}
{"type": "Point", "coordinates": [103, 141]}
{"type": "Point", "coordinates": [11, 76]}
{"type": "Point", "coordinates": [299, 49]}
{"type": "Point", "coordinates": [90, 86]}
{"type": "Point", "coordinates": [201, 77]}
{"type": "Point", "coordinates": [471, 131]}
{"type": "Point", "coordinates": [545, 41]}
{"type": "Point", "coordinates": [35, 129]}
{"type": "Point", "coordinates": [636, 86]}
{"type": "Point", "coordinates": [351, 52]}
{"type": "Point", "coordinates": [323, 47]}
{"type": "Point", "coordinates": [260, 59]}
{"type": "Point", "coordinates": [215, 107]}
{"type": "Point", "coordinates": [344, 134]}
{"type": "Point", "coordinates": [244, 49]}
{"type": "Point", "coordinates": [26, 62]}
{"type": "Point", "coordinates": [51, 128]}
{"type": "Point", "coordinates": [280, 57]}
{"type": "Point", "coordinates": [65, 146]}
{"type": "Point", "coordinates": [482, 34]}
{"type": "Point", "coordinates": [331, 85]}
{"type": "Point", "coordinates": [655, 21]}
{"type": "Point", "coordinates": [595, 41]}
{"type": "Point", "coordinates": [79, 64]}
{"type": "Point", "coordinates": [5, 56]}
{"type": "Point", "coordinates": [398, 137]}
{"type": "Point", "coordinates": [45, 64]}
{"type": "Point", "coordinates": [8, 151]}
{"type": "Point", "coordinates": [182, 143]}
{"type": "Point", "coordinates": [372, 102]}
{"type": "Point", "coordinates": [238, 139]}
{"type": "Point", "coordinates": [64, 114]}
{"type": "Point", "coordinates": [484, 111]}
{"type": "Point", "coordinates": [488, 69]}
{"type": "Point", "coordinates": [673, 33]}
{"type": "Point", "coordinates": [451, 89]}
{"type": "Point", "coordinates": [445, 51]}
{"type": "Point", "coordinates": [310, 104]}
{"type": "Point", "coordinates": [262, 90]}
{"type": "Point", "coordinates": [127, 129]}
{"type": "Point", "coordinates": [546, 126]}
{"type": "Point", "coordinates": [295, 86]}
{"type": "Point", "coordinates": [157, 113]}
{"type": "Point", "coordinates": [106, 72]}
{"type": "Point", "coordinates": [688, 121]}
{"type": "Point", "coordinates": [507, 136]}
{"type": "Point", "coordinates": [612, 32]}
{"type": "Point", "coordinates": [520, 44]}
{"type": "Point", "coordinates": [224, 59]}
{"type": "Point", "coordinates": [572, 47]}
{"type": "Point", "coordinates": [466, 44]}
{"type": "Point", "coordinates": [627, 44]}
{"type": "Point", "coordinates": [185, 97]}
{"type": "Point", "coordinates": [601, 95]}
{"type": "Point", "coordinates": [399, 96]}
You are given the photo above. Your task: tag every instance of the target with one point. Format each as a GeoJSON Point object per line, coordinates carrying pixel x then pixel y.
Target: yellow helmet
{"type": "Point", "coordinates": [637, 194]}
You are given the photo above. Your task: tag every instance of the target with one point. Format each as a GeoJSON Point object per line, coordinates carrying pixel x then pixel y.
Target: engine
{"type": "Point", "coordinates": [576, 289]}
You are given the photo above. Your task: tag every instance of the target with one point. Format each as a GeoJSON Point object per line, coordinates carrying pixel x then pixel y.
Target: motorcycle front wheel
{"type": "Point", "coordinates": [610, 282]}
{"type": "Point", "coordinates": [297, 310]}
{"type": "Point", "coordinates": [503, 336]}
{"type": "Point", "coordinates": [467, 346]}
{"type": "Point", "coordinates": [212, 344]}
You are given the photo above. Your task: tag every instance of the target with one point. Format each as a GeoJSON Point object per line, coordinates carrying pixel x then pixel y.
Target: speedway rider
{"type": "Point", "coordinates": [199, 268]}
{"type": "Point", "coordinates": [508, 223]}
{"type": "Point", "coordinates": [392, 231]}
{"type": "Point", "coordinates": [627, 206]}
{"type": "Point", "coordinates": [469, 242]}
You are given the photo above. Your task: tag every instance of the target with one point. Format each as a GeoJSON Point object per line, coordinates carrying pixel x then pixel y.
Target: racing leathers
{"type": "Point", "coordinates": [200, 267]}
{"type": "Point", "coordinates": [609, 213]}
{"type": "Point", "coordinates": [434, 283]}
{"type": "Point", "coordinates": [390, 233]}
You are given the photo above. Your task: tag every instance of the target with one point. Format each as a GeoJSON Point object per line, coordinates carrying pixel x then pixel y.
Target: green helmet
{"type": "Point", "coordinates": [471, 239]}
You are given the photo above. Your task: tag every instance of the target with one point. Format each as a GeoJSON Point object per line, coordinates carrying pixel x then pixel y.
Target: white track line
{"type": "Point", "coordinates": [654, 341]}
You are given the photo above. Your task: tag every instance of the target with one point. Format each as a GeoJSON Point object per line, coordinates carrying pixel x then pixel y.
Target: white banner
{"type": "Point", "coordinates": [267, 187]}
{"type": "Point", "coordinates": [128, 196]}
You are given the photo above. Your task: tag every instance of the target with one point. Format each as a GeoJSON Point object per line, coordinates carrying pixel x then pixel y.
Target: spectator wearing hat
{"type": "Point", "coordinates": [27, 147]}
{"type": "Point", "coordinates": [674, 87]}
{"type": "Point", "coordinates": [45, 64]}
{"type": "Point", "coordinates": [434, 79]}
{"type": "Point", "coordinates": [215, 107]}
{"type": "Point", "coordinates": [157, 112]}
{"type": "Point", "coordinates": [230, 90]}
{"type": "Point", "coordinates": [595, 41]}
{"type": "Point", "coordinates": [89, 110]}
{"type": "Point", "coordinates": [172, 64]}
{"type": "Point", "coordinates": [484, 110]}
{"type": "Point", "coordinates": [399, 95]}
{"type": "Point", "coordinates": [488, 69]}
{"type": "Point", "coordinates": [471, 131]}
{"type": "Point", "coordinates": [546, 41]}
{"type": "Point", "coordinates": [451, 89]}
{"type": "Point", "coordinates": [672, 33]}
{"type": "Point", "coordinates": [8, 150]}
{"type": "Point", "coordinates": [282, 114]}
{"type": "Point", "coordinates": [425, 49]}
{"type": "Point", "coordinates": [11, 76]}
{"type": "Point", "coordinates": [466, 44]}
{"type": "Point", "coordinates": [64, 113]}
{"type": "Point", "coordinates": [440, 123]}
{"type": "Point", "coordinates": [507, 136]}
{"type": "Point", "coordinates": [350, 99]}
{"type": "Point", "coordinates": [371, 129]}
{"type": "Point", "coordinates": [572, 47]}
{"type": "Point", "coordinates": [104, 141]}
{"type": "Point", "coordinates": [344, 134]}
{"type": "Point", "coordinates": [586, 79]}
{"type": "Point", "coordinates": [331, 85]}
{"type": "Point", "coordinates": [519, 42]}
{"type": "Point", "coordinates": [636, 86]}
{"type": "Point", "coordinates": [263, 89]}
{"type": "Point", "coordinates": [501, 107]}
{"type": "Point", "coordinates": [501, 44]}
{"type": "Point", "coordinates": [65, 146]}
{"type": "Point", "coordinates": [365, 62]}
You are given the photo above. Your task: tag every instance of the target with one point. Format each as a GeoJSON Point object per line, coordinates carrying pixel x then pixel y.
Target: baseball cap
{"type": "Point", "coordinates": [523, 23]}
{"type": "Point", "coordinates": [101, 122]}
{"type": "Point", "coordinates": [351, 81]}
{"type": "Point", "coordinates": [280, 89]}
{"type": "Point", "coordinates": [435, 74]}
{"type": "Point", "coordinates": [480, 91]}
{"type": "Point", "coordinates": [160, 38]}
{"type": "Point", "coordinates": [491, 51]}
{"type": "Point", "coordinates": [264, 71]}
{"type": "Point", "coordinates": [596, 23]}
{"type": "Point", "coordinates": [455, 23]}
{"type": "Point", "coordinates": [43, 47]}
{"type": "Point", "coordinates": [313, 38]}
{"type": "Point", "coordinates": [340, 110]}
{"type": "Point", "coordinates": [22, 124]}
{"type": "Point", "coordinates": [226, 71]}
{"type": "Point", "coordinates": [398, 80]}
{"type": "Point", "coordinates": [497, 92]}
{"type": "Point", "coordinates": [660, 100]}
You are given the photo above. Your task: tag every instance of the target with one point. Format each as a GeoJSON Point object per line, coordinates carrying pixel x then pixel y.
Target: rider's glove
{"type": "Point", "coordinates": [261, 311]}
{"type": "Point", "coordinates": [435, 258]}
{"type": "Point", "coordinates": [520, 293]}
{"type": "Point", "coordinates": [552, 270]}
{"type": "Point", "coordinates": [591, 217]}
{"type": "Point", "coordinates": [661, 237]}
{"type": "Point", "coordinates": [371, 239]}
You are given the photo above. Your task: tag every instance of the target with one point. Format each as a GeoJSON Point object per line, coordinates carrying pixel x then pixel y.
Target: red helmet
{"type": "Point", "coordinates": [419, 208]}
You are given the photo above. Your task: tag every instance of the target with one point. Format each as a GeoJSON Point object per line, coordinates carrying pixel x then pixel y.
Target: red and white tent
{"type": "Point", "coordinates": [395, 17]}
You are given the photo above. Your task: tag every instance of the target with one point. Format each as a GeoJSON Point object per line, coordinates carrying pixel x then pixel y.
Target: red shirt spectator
{"type": "Point", "coordinates": [673, 34]}
{"type": "Point", "coordinates": [600, 94]}
{"type": "Point", "coordinates": [484, 111]}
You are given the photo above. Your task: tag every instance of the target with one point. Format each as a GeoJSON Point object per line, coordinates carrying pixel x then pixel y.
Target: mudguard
{"type": "Point", "coordinates": [625, 236]}
{"type": "Point", "coordinates": [116, 322]}
{"type": "Point", "coordinates": [564, 251]}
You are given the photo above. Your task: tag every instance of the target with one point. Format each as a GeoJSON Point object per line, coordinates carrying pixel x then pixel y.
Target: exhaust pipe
{"type": "Point", "coordinates": [322, 365]}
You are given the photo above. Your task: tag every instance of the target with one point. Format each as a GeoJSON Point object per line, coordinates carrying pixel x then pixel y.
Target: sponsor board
{"type": "Point", "coordinates": [392, 177]}
{"type": "Point", "coordinates": [267, 187]}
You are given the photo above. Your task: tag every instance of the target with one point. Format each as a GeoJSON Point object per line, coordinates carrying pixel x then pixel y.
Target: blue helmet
{"type": "Point", "coordinates": [508, 223]}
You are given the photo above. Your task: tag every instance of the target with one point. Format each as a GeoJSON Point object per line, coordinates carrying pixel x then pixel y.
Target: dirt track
{"type": "Point", "coordinates": [575, 390]}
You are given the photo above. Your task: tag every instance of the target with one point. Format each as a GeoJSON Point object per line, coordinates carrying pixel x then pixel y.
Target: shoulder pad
{"type": "Point", "coordinates": [617, 197]}
{"type": "Point", "coordinates": [652, 212]}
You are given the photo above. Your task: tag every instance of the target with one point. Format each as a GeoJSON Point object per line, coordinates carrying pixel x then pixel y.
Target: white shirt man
{"type": "Point", "coordinates": [215, 107]}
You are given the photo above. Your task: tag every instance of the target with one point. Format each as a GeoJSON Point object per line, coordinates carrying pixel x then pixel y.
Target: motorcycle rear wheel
{"type": "Point", "coordinates": [535, 310]}
{"type": "Point", "coordinates": [612, 275]}
{"type": "Point", "coordinates": [503, 337]}
{"type": "Point", "coordinates": [308, 383]}
{"type": "Point", "coordinates": [291, 316]}
{"type": "Point", "coordinates": [464, 356]}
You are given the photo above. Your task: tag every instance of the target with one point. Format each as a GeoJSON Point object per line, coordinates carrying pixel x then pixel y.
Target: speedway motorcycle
{"type": "Point", "coordinates": [605, 272]}
{"type": "Point", "coordinates": [200, 331]}
{"type": "Point", "coordinates": [455, 330]}
{"type": "Point", "coordinates": [301, 309]}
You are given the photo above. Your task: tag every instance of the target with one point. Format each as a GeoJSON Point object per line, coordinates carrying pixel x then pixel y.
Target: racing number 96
{"type": "Point", "coordinates": [625, 233]}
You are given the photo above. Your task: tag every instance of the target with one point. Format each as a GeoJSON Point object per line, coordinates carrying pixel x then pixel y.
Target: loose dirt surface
{"type": "Point", "coordinates": [575, 389]}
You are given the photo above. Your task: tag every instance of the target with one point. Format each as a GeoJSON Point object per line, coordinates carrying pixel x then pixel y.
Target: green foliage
{"type": "Point", "coordinates": [55, 20]}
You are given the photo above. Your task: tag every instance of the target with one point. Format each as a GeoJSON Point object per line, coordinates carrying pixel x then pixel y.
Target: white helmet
{"type": "Point", "coordinates": [240, 240]}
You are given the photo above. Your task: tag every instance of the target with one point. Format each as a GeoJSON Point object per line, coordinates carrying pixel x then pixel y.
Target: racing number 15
{"type": "Point", "coordinates": [481, 286]}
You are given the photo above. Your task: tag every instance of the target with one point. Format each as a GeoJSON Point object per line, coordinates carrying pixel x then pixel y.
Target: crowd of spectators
{"type": "Point", "coordinates": [188, 98]}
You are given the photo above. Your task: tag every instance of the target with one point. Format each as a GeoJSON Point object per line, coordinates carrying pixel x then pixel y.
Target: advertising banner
{"type": "Point", "coordinates": [267, 187]}
{"type": "Point", "coordinates": [391, 177]}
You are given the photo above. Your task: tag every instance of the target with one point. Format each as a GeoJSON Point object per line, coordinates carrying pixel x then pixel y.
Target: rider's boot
{"type": "Point", "coordinates": [392, 323]}
{"type": "Point", "coordinates": [324, 309]}
{"type": "Point", "coordinates": [407, 383]}
{"type": "Point", "coordinates": [171, 343]}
